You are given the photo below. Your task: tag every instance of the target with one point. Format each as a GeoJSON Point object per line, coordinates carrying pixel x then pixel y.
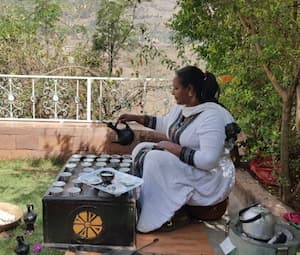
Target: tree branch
{"type": "Point", "coordinates": [86, 69]}
{"type": "Point", "coordinates": [296, 191]}
{"type": "Point", "coordinates": [295, 10]}
{"type": "Point", "coordinates": [249, 26]}
{"type": "Point", "coordinates": [298, 110]}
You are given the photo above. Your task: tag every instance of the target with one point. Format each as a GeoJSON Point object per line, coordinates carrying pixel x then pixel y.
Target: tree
{"type": "Point", "coordinates": [22, 34]}
{"type": "Point", "coordinates": [46, 15]}
{"type": "Point", "coordinates": [258, 43]}
{"type": "Point", "coordinates": [115, 29]}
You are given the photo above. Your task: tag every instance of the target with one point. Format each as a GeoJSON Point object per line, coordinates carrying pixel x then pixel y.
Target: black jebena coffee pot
{"type": "Point", "coordinates": [22, 247]}
{"type": "Point", "coordinates": [125, 135]}
{"type": "Point", "coordinates": [30, 217]}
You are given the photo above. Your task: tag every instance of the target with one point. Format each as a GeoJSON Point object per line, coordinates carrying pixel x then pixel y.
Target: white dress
{"type": "Point", "coordinates": [170, 183]}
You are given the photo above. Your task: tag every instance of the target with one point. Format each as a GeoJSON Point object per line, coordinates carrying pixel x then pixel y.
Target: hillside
{"type": "Point", "coordinates": [81, 14]}
{"type": "Point", "coordinates": [154, 13]}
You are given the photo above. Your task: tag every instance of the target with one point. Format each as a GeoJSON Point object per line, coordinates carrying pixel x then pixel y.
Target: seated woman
{"type": "Point", "coordinates": [194, 166]}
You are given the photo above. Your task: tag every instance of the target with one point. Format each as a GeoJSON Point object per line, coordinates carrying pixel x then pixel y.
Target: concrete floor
{"type": "Point", "coordinates": [216, 230]}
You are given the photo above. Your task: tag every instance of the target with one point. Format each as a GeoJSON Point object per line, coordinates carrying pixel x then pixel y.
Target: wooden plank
{"type": "Point", "coordinates": [191, 240]}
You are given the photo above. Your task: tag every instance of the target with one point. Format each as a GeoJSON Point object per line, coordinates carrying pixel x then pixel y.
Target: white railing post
{"type": "Point", "coordinates": [77, 100]}
{"type": "Point", "coordinates": [89, 99]}
{"type": "Point", "coordinates": [144, 96]}
{"type": "Point", "coordinates": [55, 99]}
{"type": "Point", "coordinates": [11, 98]}
{"type": "Point", "coordinates": [100, 99]}
{"type": "Point", "coordinates": [33, 98]}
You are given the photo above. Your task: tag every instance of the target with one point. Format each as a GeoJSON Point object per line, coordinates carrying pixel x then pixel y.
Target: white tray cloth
{"type": "Point", "coordinates": [121, 183]}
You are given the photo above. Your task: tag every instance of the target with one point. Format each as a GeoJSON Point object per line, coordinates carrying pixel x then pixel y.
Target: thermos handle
{"type": "Point", "coordinates": [249, 220]}
{"type": "Point", "coordinates": [258, 216]}
{"type": "Point", "coordinates": [282, 250]}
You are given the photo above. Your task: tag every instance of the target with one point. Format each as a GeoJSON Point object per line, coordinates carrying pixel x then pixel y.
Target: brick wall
{"type": "Point", "coordinates": [47, 139]}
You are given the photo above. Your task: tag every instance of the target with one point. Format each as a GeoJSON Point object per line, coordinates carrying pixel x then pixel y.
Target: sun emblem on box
{"type": "Point", "coordinates": [87, 225]}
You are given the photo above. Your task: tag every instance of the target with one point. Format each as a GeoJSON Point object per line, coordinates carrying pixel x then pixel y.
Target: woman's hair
{"type": "Point", "coordinates": [205, 84]}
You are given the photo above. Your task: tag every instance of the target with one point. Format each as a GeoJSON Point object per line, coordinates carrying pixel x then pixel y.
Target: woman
{"type": "Point", "coordinates": [193, 167]}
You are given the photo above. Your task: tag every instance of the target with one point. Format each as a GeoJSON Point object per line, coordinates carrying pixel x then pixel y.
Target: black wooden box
{"type": "Point", "coordinates": [90, 220]}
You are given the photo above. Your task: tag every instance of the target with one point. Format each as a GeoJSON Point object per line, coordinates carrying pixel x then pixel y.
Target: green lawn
{"type": "Point", "coordinates": [23, 182]}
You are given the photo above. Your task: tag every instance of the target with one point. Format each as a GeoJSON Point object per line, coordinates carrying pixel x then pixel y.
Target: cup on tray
{"type": "Point", "coordinates": [74, 191]}
{"type": "Point", "coordinates": [114, 162]}
{"type": "Point", "coordinates": [77, 183]}
{"type": "Point", "coordinates": [65, 176]}
{"type": "Point", "coordinates": [56, 191]}
{"type": "Point", "coordinates": [100, 164]}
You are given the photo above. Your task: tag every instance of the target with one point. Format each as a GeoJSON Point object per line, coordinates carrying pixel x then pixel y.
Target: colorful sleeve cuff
{"type": "Point", "coordinates": [150, 122]}
{"type": "Point", "coordinates": [187, 155]}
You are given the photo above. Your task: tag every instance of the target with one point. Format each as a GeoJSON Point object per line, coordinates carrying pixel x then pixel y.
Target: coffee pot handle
{"type": "Point", "coordinates": [258, 216]}
{"type": "Point", "coordinates": [283, 250]}
{"type": "Point", "coordinates": [30, 207]}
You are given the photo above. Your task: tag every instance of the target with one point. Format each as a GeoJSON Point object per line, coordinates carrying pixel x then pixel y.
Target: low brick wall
{"type": "Point", "coordinates": [248, 191]}
{"type": "Point", "coordinates": [48, 139]}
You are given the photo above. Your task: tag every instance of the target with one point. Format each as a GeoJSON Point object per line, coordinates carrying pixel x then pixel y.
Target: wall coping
{"type": "Point", "coordinates": [249, 191]}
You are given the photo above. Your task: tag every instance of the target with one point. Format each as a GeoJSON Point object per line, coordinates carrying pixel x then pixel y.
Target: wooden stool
{"type": "Point", "coordinates": [207, 213]}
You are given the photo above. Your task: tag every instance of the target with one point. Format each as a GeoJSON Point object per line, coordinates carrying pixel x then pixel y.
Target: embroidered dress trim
{"type": "Point", "coordinates": [150, 122]}
{"type": "Point", "coordinates": [187, 155]}
{"type": "Point", "coordinates": [179, 125]}
{"type": "Point", "coordinates": [138, 162]}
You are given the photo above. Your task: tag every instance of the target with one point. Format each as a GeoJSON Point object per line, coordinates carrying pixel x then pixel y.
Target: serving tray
{"type": "Point", "coordinates": [121, 183]}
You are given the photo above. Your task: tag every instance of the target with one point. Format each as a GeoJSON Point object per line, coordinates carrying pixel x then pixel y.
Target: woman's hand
{"type": "Point", "coordinates": [169, 146]}
{"type": "Point", "coordinates": [131, 117]}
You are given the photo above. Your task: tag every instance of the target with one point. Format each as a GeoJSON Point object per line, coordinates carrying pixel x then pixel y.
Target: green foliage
{"type": "Point", "coordinates": [115, 29]}
{"type": "Point", "coordinates": [24, 33]}
{"type": "Point", "coordinates": [46, 14]}
{"type": "Point", "coordinates": [149, 51]}
{"type": "Point", "coordinates": [256, 42]}
{"type": "Point", "coordinates": [256, 111]}
{"type": "Point", "coordinates": [216, 31]}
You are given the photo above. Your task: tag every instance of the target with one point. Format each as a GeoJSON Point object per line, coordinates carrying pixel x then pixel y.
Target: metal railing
{"type": "Point", "coordinates": [80, 99]}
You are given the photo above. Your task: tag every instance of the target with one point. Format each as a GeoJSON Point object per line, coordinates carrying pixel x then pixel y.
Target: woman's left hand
{"type": "Point", "coordinates": [171, 147]}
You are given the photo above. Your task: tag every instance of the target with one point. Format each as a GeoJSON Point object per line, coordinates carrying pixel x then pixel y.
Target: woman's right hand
{"type": "Point", "coordinates": [129, 117]}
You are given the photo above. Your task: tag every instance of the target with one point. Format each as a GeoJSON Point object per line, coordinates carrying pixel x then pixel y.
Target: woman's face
{"type": "Point", "coordinates": [180, 93]}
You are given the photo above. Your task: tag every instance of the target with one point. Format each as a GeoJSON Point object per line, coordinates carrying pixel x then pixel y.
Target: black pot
{"type": "Point", "coordinates": [125, 135]}
{"type": "Point", "coordinates": [30, 217]}
{"type": "Point", "coordinates": [22, 247]}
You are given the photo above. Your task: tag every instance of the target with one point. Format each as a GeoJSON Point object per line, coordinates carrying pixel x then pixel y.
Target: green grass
{"type": "Point", "coordinates": [24, 182]}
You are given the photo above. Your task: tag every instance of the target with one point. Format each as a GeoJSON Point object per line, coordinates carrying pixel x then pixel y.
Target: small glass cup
{"type": "Point", "coordinates": [127, 160]}
{"type": "Point", "coordinates": [88, 169]}
{"type": "Point", "coordinates": [74, 191]}
{"type": "Point", "coordinates": [89, 160]}
{"type": "Point", "coordinates": [77, 183]}
{"type": "Point", "coordinates": [114, 162]}
{"type": "Point", "coordinates": [59, 184]}
{"type": "Point", "coordinates": [56, 191]}
{"type": "Point", "coordinates": [101, 164]}
{"type": "Point", "coordinates": [124, 164]}
{"type": "Point", "coordinates": [86, 164]}
{"type": "Point", "coordinates": [124, 169]}
{"type": "Point", "coordinates": [65, 176]}
{"type": "Point", "coordinates": [101, 159]}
